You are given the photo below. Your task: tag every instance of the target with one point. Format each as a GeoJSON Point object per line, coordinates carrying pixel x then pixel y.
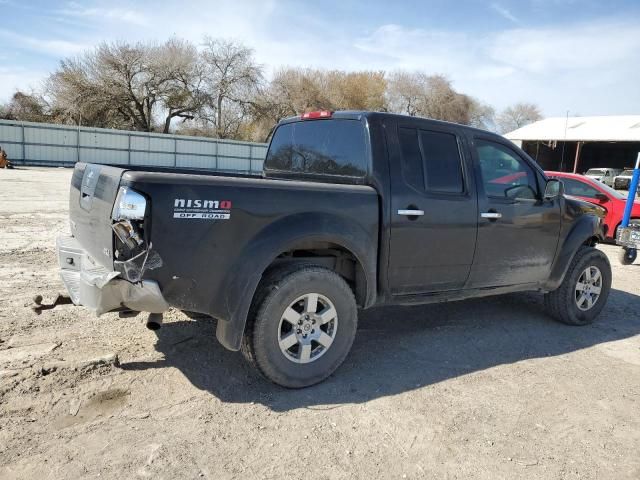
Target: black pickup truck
{"type": "Point", "coordinates": [355, 209]}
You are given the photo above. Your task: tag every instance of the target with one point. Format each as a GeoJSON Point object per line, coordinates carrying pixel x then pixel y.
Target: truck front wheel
{"type": "Point", "coordinates": [584, 291]}
{"type": "Point", "coordinates": [301, 326]}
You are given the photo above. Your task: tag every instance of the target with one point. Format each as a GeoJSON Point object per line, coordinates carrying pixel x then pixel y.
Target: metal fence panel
{"type": "Point", "coordinates": [256, 165]}
{"type": "Point", "coordinates": [49, 154]}
{"type": "Point", "coordinates": [234, 163]}
{"type": "Point", "coordinates": [97, 140]}
{"type": "Point", "coordinates": [45, 144]}
{"type": "Point", "coordinates": [11, 133]}
{"type": "Point", "coordinates": [154, 159]}
{"type": "Point", "coordinates": [44, 136]}
{"type": "Point", "coordinates": [259, 150]}
{"type": "Point", "coordinates": [14, 151]}
{"type": "Point", "coordinates": [197, 147]}
{"type": "Point", "coordinates": [234, 150]}
{"type": "Point", "coordinates": [93, 155]}
{"type": "Point", "coordinates": [196, 161]}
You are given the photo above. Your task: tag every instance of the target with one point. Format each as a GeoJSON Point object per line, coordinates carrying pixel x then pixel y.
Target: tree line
{"type": "Point", "coordinates": [218, 89]}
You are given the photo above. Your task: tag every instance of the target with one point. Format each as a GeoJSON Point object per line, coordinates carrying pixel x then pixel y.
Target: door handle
{"type": "Point", "coordinates": [491, 215]}
{"type": "Point", "coordinates": [411, 213]}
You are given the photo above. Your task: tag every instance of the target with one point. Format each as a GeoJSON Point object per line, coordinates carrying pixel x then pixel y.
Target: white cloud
{"type": "Point", "coordinates": [124, 15]}
{"type": "Point", "coordinates": [504, 13]}
{"type": "Point", "coordinates": [55, 47]}
{"type": "Point", "coordinates": [17, 78]}
{"type": "Point", "coordinates": [588, 67]}
{"type": "Point", "coordinates": [414, 48]}
{"type": "Point", "coordinates": [453, 54]}
{"type": "Point", "coordinates": [578, 47]}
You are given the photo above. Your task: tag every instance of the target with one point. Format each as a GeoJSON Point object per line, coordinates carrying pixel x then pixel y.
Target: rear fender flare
{"type": "Point", "coordinates": [277, 238]}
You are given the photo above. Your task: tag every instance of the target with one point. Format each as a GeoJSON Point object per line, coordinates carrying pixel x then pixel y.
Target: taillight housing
{"type": "Point", "coordinates": [128, 217]}
{"type": "Point", "coordinates": [316, 114]}
{"type": "Point", "coordinates": [129, 205]}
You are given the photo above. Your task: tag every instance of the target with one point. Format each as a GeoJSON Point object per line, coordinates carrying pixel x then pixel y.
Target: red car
{"type": "Point", "coordinates": [596, 192]}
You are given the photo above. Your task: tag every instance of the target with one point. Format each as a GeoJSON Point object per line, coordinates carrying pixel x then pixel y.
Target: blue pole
{"type": "Point", "coordinates": [633, 188]}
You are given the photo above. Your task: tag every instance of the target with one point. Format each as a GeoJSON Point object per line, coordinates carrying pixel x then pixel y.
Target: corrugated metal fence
{"type": "Point", "coordinates": [44, 144]}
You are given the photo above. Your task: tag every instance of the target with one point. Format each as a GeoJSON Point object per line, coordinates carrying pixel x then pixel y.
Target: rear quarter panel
{"type": "Point", "coordinates": [214, 265]}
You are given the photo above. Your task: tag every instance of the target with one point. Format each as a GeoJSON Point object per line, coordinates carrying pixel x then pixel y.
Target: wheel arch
{"type": "Point", "coordinates": [585, 231]}
{"type": "Point", "coordinates": [300, 237]}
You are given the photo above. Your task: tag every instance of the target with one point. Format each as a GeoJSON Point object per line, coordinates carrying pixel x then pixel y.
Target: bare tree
{"type": "Point", "coordinates": [184, 94]}
{"type": "Point", "coordinates": [433, 96]}
{"type": "Point", "coordinates": [220, 91]}
{"type": "Point", "coordinates": [293, 91]}
{"type": "Point", "coordinates": [364, 90]}
{"type": "Point", "coordinates": [406, 92]}
{"type": "Point", "coordinates": [232, 81]}
{"type": "Point", "coordinates": [482, 115]}
{"type": "Point", "coordinates": [28, 107]}
{"type": "Point", "coordinates": [131, 86]}
{"type": "Point", "coordinates": [518, 115]}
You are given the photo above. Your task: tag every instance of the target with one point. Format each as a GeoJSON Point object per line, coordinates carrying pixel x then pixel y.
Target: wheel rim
{"type": "Point", "coordinates": [588, 288]}
{"type": "Point", "coordinates": [307, 328]}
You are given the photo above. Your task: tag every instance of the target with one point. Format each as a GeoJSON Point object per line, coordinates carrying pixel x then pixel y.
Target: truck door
{"type": "Point", "coordinates": [433, 209]}
{"type": "Point", "coordinates": [518, 230]}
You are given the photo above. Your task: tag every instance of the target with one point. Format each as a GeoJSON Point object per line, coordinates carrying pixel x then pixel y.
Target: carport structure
{"type": "Point", "coordinates": [576, 144]}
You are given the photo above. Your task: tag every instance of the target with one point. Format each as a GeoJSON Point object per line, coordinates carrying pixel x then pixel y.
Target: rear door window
{"type": "Point", "coordinates": [412, 164]}
{"type": "Point", "coordinates": [431, 160]}
{"type": "Point", "coordinates": [322, 147]}
{"type": "Point", "coordinates": [442, 162]}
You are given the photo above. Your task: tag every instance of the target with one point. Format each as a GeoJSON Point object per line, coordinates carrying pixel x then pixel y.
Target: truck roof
{"type": "Point", "coordinates": [360, 114]}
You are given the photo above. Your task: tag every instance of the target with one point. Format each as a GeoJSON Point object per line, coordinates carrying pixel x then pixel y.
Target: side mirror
{"type": "Point", "coordinates": [602, 197]}
{"type": "Point", "coordinates": [554, 189]}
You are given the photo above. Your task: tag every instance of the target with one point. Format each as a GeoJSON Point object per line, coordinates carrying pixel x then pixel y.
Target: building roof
{"type": "Point", "coordinates": [622, 128]}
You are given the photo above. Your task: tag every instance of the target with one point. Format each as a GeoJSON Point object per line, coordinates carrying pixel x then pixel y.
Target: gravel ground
{"type": "Point", "coordinates": [488, 388]}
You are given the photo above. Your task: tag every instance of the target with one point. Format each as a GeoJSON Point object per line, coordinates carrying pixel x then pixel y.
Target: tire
{"type": "Point", "coordinates": [627, 255]}
{"type": "Point", "coordinates": [285, 298]}
{"type": "Point", "coordinates": [562, 303]}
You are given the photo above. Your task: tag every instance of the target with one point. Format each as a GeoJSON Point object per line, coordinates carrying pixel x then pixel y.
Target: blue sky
{"type": "Point", "coordinates": [581, 56]}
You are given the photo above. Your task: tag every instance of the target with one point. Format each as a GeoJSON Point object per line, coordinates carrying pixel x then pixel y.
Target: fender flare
{"type": "Point", "coordinates": [282, 236]}
{"type": "Point", "coordinates": [584, 229]}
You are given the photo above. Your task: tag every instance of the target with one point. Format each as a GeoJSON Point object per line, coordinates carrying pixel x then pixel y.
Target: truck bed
{"type": "Point", "coordinates": [209, 231]}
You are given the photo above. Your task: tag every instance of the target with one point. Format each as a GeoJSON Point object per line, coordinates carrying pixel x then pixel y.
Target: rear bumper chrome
{"type": "Point", "coordinates": [99, 288]}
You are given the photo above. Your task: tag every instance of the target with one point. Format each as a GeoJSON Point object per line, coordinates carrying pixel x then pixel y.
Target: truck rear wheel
{"type": "Point", "coordinates": [584, 291]}
{"type": "Point", "coordinates": [301, 326]}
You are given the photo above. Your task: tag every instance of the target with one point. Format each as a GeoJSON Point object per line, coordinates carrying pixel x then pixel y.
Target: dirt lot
{"type": "Point", "coordinates": [488, 388]}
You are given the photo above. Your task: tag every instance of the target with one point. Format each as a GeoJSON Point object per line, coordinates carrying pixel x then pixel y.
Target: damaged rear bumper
{"type": "Point", "coordinates": [99, 288]}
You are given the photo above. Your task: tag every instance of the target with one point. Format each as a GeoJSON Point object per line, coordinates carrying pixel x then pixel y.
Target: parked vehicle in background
{"type": "Point", "coordinates": [611, 200]}
{"type": "Point", "coordinates": [355, 209]}
{"type": "Point", "coordinates": [604, 175]}
{"type": "Point", "coordinates": [622, 181]}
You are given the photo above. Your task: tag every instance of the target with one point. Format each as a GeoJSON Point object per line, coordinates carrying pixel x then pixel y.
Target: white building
{"type": "Point", "coordinates": [575, 144]}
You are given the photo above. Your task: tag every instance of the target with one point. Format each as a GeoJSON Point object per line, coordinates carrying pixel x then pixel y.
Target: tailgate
{"type": "Point", "coordinates": [93, 193]}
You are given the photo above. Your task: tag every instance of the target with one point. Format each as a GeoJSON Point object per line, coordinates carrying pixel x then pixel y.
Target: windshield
{"type": "Point", "coordinates": [596, 171]}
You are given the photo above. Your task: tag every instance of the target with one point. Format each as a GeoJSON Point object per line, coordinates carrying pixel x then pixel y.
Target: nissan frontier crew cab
{"type": "Point", "coordinates": [354, 210]}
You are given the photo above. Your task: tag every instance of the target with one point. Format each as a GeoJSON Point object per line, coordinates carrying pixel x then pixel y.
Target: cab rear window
{"type": "Point", "coordinates": [320, 147]}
